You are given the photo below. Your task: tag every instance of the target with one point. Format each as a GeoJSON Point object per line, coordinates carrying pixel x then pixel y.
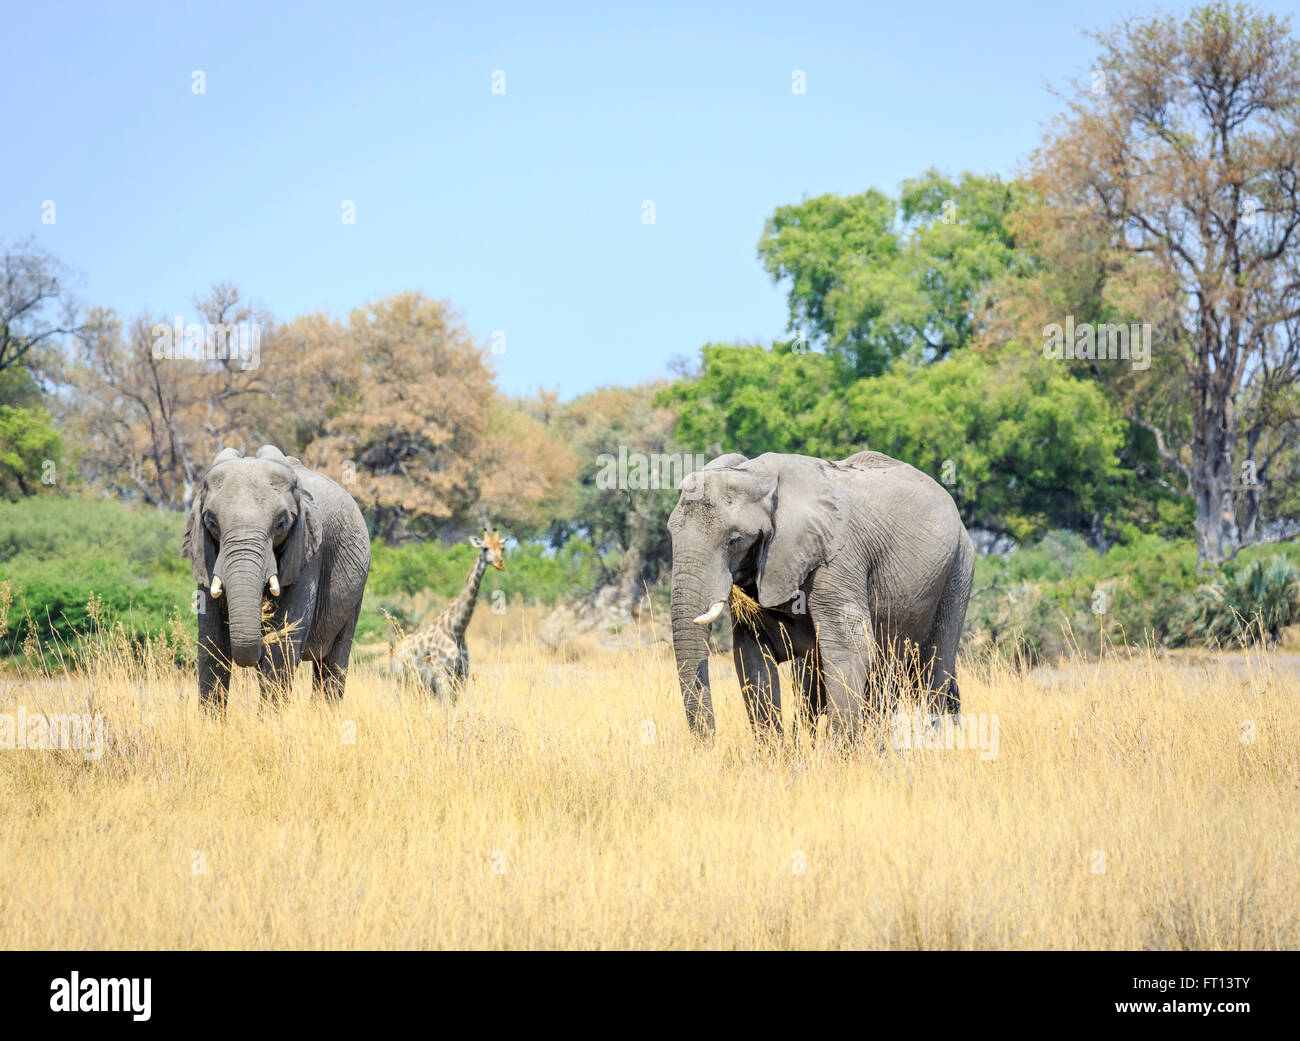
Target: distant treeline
{"type": "Point", "coordinates": [70, 568]}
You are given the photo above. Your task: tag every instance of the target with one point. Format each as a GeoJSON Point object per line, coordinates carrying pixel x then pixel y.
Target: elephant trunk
{"type": "Point", "coordinates": [691, 604]}
{"type": "Point", "coordinates": [243, 572]}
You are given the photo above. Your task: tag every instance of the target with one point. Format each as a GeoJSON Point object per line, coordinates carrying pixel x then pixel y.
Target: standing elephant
{"type": "Point", "coordinates": [268, 525]}
{"type": "Point", "coordinates": [845, 563]}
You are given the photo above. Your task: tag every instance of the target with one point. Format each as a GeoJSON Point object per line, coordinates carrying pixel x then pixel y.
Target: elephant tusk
{"type": "Point", "coordinates": [216, 588]}
{"type": "Point", "coordinates": [712, 613]}
{"type": "Point", "coordinates": [274, 585]}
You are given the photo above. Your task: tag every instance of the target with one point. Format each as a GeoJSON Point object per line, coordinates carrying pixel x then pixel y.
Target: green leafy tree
{"type": "Point", "coordinates": [1181, 173]}
{"type": "Point", "coordinates": [752, 400]}
{"type": "Point", "coordinates": [874, 279]}
{"type": "Point", "coordinates": [1022, 446]}
{"type": "Point", "coordinates": [28, 438]}
{"type": "Point", "coordinates": [27, 441]}
{"type": "Point", "coordinates": [959, 246]}
{"type": "Point", "coordinates": [627, 523]}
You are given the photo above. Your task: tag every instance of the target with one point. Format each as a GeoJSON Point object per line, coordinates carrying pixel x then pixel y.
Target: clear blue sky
{"type": "Point", "coordinates": [523, 210]}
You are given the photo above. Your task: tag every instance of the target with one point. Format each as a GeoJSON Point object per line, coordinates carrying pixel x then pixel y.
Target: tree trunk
{"type": "Point", "coordinates": [1212, 447]}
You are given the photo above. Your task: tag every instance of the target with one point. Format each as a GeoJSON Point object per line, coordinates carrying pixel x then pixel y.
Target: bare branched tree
{"type": "Point", "coordinates": [1188, 151]}
{"type": "Point", "coordinates": [149, 420]}
{"type": "Point", "coordinates": [37, 307]}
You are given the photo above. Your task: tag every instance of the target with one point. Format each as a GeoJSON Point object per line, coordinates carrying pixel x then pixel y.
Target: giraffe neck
{"type": "Point", "coordinates": [459, 611]}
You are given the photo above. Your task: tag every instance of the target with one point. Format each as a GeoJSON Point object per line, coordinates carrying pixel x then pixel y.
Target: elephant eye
{"type": "Point", "coordinates": [735, 539]}
{"type": "Point", "coordinates": [210, 522]}
{"type": "Point", "coordinates": [282, 523]}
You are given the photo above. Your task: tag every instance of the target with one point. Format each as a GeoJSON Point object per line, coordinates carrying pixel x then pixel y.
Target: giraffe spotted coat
{"type": "Point", "coordinates": [436, 654]}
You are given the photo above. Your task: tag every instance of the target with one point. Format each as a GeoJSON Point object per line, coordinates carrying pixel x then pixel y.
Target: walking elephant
{"type": "Point", "coordinates": [267, 529]}
{"type": "Point", "coordinates": [845, 567]}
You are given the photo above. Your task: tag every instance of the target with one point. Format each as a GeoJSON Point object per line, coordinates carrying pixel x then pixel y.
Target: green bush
{"type": "Point", "coordinates": [1058, 596]}
{"type": "Point", "coordinates": [1034, 604]}
{"type": "Point", "coordinates": [68, 530]}
{"type": "Point", "coordinates": [56, 552]}
{"type": "Point", "coordinates": [1243, 606]}
{"type": "Point", "coordinates": [532, 571]}
{"type": "Point", "coordinates": [400, 575]}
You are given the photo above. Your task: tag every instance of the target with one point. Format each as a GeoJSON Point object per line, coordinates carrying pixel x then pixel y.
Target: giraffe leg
{"type": "Point", "coordinates": [441, 662]}
{"type": "Point", "coordinates": [460, 679]}
{"type": "Point", "coordinates": [436, 677]}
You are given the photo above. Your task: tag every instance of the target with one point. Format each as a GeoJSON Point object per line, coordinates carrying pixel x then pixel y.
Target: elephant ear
{"type": "Point", "coordinates": [196, 544]}
{"type": "Point", "coordinates": [808, 518]}
{"type": "Point", "coordinates": [303, 540]}
{"type": "Point", "coordinates": [731, 459]}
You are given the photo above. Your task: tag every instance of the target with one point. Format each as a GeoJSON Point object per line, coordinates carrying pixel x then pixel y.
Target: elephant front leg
{"type": "Point", "coordinates": [275, 672]}
{"type": "Point", "coordinates": [759, 684]}
{"type": "Point", "coordinates": [848, 655]}
{"type": "Point", "coordinates": [214, 659]}
{"type": "Point", "coordinates": [282, 651]}
{"type": "Point", "coordinates": [811, 694]}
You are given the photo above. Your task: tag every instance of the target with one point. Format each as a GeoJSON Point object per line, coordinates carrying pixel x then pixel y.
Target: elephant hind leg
{"type": "Point", "coordinates": [945, 634]}
{"type": "Point", "coordinates": [331, 673]}
{"type": "Point", "coordinates": [328, 680]}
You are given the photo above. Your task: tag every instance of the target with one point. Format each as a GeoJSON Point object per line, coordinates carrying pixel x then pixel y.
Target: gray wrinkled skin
{"type": "Point", "coordinates": [261, 521]}
{"type": "Point", "coordinates": [858, 565]}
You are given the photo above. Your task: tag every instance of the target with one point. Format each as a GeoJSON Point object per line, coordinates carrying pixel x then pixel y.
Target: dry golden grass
{"type": "Point", "coordinates": [567, 806]}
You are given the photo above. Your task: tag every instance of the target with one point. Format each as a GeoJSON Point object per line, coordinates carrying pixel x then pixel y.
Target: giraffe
{"type": "Point", "coordinates": [436, 653]}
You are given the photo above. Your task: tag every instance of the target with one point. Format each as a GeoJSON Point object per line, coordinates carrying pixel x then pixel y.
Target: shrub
{"type": "Point", "coordinates": [1058, 596]}
{"type": "Point", "coordinates": [1243, 606]}
{"type": "Point", "coordinates": [58, 553]}
{"type": "Point", "coordinates": [414, 581]}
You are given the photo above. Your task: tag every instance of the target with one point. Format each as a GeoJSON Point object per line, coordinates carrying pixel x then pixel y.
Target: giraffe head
{"type": "Point", "coordinates": [491, 544]}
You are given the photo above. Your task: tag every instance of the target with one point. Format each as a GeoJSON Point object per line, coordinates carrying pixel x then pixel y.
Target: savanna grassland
{"type": "Point", "coordinates": [1145, 803]}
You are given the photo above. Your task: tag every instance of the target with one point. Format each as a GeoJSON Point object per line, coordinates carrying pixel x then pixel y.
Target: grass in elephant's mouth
{"type": "Point", "coordinates": [744, 607]}
{"type": "Point", "coordinates": [1139, 804]}
{"type": "Point", "coordinates": [271, 635]}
